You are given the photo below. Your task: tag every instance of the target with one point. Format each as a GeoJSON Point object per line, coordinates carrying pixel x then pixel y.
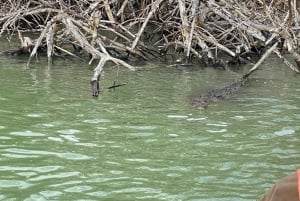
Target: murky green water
{"type": "Point", "coordinates": [143, 141]}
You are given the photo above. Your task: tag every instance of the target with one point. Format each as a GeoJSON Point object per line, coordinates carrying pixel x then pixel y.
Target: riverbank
{"type": "Point", "coordinates": [189, 32]}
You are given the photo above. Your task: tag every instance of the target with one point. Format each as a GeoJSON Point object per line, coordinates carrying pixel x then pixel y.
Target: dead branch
{"type": "Point", "coordinates": [285, 61]}
{"type": "Point", "coordinates": [197, 30]}
{"type": "Point", "coordinates": [262, 59]}
{"type": "Point", "coordinates": [154, 7]}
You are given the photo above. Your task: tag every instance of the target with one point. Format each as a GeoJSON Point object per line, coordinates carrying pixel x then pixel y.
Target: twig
{"type": "Point", "coordinates": [155, 6]}
{"type": "Point", "coordinates": [289, 64]}
{"type": "Point", "coordinates": [262, 59]}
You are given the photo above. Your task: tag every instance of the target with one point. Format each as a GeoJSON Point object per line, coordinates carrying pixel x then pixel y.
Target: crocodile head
{"type": "Point", "coordinates": [201, 102]}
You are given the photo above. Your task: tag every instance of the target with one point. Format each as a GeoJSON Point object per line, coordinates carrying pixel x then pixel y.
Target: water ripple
{"type": "Point", "coordinates": [36, 115]}
{"type": "Point", "coordinates": [141, 134]}
{"type": "Point", "coordinates": [99, 194]}
{"type": "Point", "coordinates": [49, 194]}
{"type": "Point", "coordinates": [141, 160]}
{"type": "Point", "coordinates": [88, 144]}
{"type": "Point", "coordinates": [218, 124]}
{"type": "Point", "coordinates": [73, 156]}
{"type": "Point", "coordinates": [56, 139]}
{"type": "Point", "coordinates": [37, 153]}
{"type": "Point", "coordinates": [285, 131]}
{"type": "Point", "coordinates": [174, 116]}
{"type": "Point", "coordinates": [138, 189]}
{"type": "Point", "coordinates": [196, 119]}
{"type": "Point", "coordinates": [96, 121]}
{"type": "Point", "coordinates": [12, 155]}
{"type": "Point", "coordinates": [217, 131]}
{"type": "Point", "coordinates": [43, 169]}
{"type": "Point", "coordinates": [67, 183]}
{"type": "Point", "coordinates": [70, 138]}
{"type": "Point", "coordinates": [27, 133]}
{"type": "Point", "coordinates": [55, 176]}
{"type": "Point", "coordinates": [3, 98]}
{"type": "Point", "coordinates": [76, 189]}
{"type": "Point", "coordinates": [14, 184]}
{"type": "Point", "coordinates": [69, 131]}
{"type": "Point", "coordinates": [142, 127]}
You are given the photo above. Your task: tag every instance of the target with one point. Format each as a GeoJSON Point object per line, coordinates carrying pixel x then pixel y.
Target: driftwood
{"type": "Point", "coordinates": [204, 32]}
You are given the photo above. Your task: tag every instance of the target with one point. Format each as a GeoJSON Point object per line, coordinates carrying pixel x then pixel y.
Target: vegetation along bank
{"type": "Point", "coordinates": [208, 33]}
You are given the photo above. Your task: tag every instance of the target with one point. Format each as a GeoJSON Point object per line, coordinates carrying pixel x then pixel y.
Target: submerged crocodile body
{"type": "Point", "coordinates": [215, 95]}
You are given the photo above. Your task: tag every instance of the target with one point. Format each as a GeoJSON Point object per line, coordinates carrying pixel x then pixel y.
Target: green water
{"type": "Point", "coordinates": [143, 141]}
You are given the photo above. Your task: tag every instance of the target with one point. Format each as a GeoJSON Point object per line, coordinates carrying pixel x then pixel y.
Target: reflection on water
{"type": "Point", "coordinates": [144, 140]}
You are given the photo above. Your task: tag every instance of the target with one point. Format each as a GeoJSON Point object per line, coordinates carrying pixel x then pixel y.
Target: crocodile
{"type": "Point", "coordinates": [214, 95]}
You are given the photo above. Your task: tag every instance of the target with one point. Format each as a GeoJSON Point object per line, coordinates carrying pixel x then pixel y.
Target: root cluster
{"type": "Point", "coordinates": [212, 32]}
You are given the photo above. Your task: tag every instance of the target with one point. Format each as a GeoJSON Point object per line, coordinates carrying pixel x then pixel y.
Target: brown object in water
{"type": "Point", "coordinates": [95, 88]}
{"type": "Point", "coordinates": [286, 189]}
{"type": "Point", "coordinates": [297, 62]}
{"type": "Point", "coordinates": [214, 95]}
{"type": "Point", "coordinates": [202, 101]}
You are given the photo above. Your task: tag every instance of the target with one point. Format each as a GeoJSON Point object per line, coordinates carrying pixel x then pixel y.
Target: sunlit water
{"type": "Point", "coordinates": [143, 141]}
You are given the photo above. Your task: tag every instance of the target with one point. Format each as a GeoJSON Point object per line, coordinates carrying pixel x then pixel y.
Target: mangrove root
{"type": "Point", "coordinates": [203, 32]}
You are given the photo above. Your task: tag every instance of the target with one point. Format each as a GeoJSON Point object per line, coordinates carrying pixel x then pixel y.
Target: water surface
{"type": "Point", "coordinates": [143, 141]}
